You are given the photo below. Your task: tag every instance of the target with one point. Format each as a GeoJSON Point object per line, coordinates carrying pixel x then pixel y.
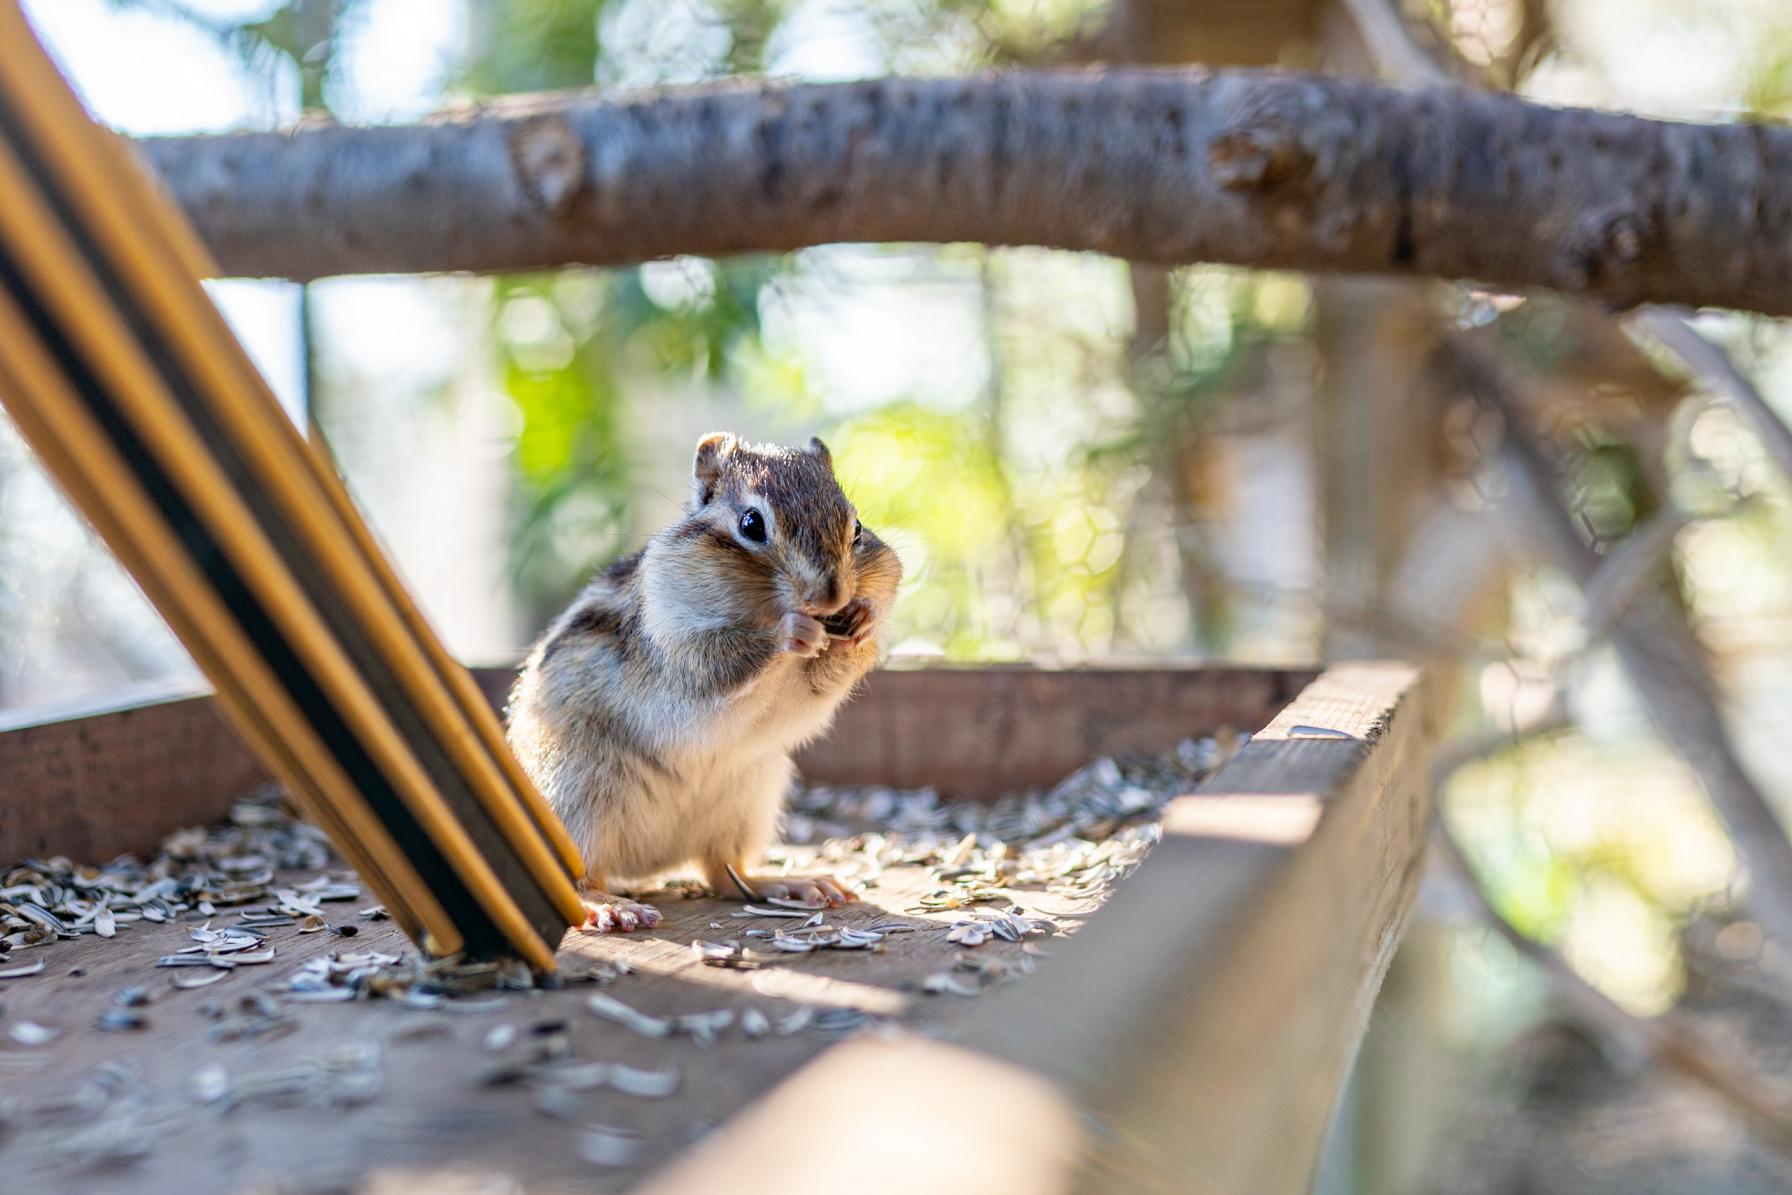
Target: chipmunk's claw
{"type": "Point", "coordinates": [855, 622]}
{"type": "Point", "coordinates": [818, 892]}
{"type": "Point", "coordinates": [802, 635]}
{"type": "Point", "coordinates": [613, 915]}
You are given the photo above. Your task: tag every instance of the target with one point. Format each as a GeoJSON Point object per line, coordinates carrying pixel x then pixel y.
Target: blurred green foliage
{"type": "Point", "coordinates": [1003, 558]}
{"type": "Point", "coordinates": [1010, 551]}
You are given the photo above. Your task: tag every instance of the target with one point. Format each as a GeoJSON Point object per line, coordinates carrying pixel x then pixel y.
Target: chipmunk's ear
{"type": "Point", "coordinates": [817, 448]}
{"type": "Point", "coordinates": [713, 452]}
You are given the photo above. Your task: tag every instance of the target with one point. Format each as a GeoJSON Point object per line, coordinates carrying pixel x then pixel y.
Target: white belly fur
{"type": "Point", "coordinates": [727, 772]}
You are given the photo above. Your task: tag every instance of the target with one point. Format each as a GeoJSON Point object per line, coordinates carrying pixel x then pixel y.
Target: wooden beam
{"type": "Point", "coordinates": [987, 729]}
{"type": "Point", "coordinates": [93, 780]}
{"type": "Point", "coordinates": [1203, 1021]}
{"type": "Point", "coordinates": [96, 779]}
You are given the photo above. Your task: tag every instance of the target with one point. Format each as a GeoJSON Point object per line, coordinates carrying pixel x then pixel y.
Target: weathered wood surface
{"type": "Point", "coordinates": [93, 780]}
{"type": "Point", "coordinates": [987, 729]}
{"type": "Point", "coordinates": [1205, 1019]}
{"type": "Point", "coordinates": [968, 731]}
{"type": "Point", "coordinates": [435, 1125]}
{"type": "Point", "coordinates": [1253, 168]}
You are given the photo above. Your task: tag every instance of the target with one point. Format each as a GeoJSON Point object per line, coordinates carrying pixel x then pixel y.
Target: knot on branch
{"type": "Point", "coordinates": [1606, 239]}
{"type": "Point", "coordinates": [1266, 154]}
{"type": "Point", "coordinates": [549, 160]}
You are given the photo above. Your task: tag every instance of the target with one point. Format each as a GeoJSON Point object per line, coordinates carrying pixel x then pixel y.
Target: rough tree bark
{"type": "Point", "coordinates": [1252, 168]}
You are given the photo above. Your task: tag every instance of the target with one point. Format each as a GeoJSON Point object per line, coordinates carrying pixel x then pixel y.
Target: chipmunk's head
{"type": "Point", "coordinates": [777, 521]}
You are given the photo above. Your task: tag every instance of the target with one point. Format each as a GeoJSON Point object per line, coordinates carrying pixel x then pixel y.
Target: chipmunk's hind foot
{"type": "Point", "coordinates": [607, 914]}
{"type": "Point", "coordinates": [818, 892]}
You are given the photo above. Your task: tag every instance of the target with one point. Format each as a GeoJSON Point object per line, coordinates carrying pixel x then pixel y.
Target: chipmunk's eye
{"type": "Point", "coordinates": [858, 533]}
{"type": "Point", "coordinates": [752, 525]}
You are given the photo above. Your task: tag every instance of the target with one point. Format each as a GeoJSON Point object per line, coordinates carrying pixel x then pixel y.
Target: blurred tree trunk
{"type": "Point", "coordinates": [1377, 425]}
{"type": "Point", "coordinates": [1210, 32]}
{"type": "Point", "coordinates": [1258, 169]}
{"type": "Point", "coordinates": [1164, 33]}
{"type": "Point", "coordinates": [1218, 33]}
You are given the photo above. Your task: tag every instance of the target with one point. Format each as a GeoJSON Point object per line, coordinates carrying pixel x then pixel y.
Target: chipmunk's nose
{"type": "Point", "coordinates": [827, 597]}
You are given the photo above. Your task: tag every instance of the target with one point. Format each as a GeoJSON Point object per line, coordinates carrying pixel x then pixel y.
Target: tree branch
{"type": "Point", "coordinates": [1389, 40]}
{"type": "Point", "coordinates": [1253, 168]}
{"type": "Point", "coordinates": [1654, 645]}
{"type": "Point", "coordinates": [1629, 570]}
{"type": "Point", "coordinates": [1611, 586]}
{"type": "Point", "coordinates": [1711, 365]}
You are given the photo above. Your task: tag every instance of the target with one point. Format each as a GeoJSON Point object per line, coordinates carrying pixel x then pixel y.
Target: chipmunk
{"type": "Point", "coordinates": [658, 713]}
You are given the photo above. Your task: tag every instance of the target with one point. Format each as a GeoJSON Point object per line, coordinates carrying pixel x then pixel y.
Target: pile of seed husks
{"type": "Point", "coordinates": [989, 861]}
{"type": "Point", "coordinates": [226, 871]}
{"type": "Point", "coordinates": [225, 866]}
{"type": "Point", "coordinates": [1078, 838]}
{"type": "Point", "coordinates": [231, 884]}
{"type": "Point", "coordinates": [991, 867]}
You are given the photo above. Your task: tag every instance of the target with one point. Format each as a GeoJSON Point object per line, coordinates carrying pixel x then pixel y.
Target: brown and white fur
{"type": "Point", "coordinates": [658, 713]}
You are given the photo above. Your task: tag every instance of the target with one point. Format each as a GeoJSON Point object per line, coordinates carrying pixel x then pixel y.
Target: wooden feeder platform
{"type": "Point", "coordinates": [1191, 1033]}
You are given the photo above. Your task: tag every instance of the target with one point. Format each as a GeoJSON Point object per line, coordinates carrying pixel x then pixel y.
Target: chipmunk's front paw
{"type": "Point", "coordinates": [801, 635]}
{"type": "Point", "coordinates": [819, 892]}
{"type": "Point", "coordinates": [605, 914]}
{"type": "Point", "coordinates": [855, 622]}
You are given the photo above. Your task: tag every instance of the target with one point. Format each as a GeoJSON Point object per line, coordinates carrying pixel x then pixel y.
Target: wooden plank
{"type": "Point", "coordinates": [986, 729]}
{"type": "Point", "coordinates": [436, 1125]}
{"type": "Point", "coordinates": [94, 780]}
{"type": "Point", "coordinates": [1205, 1019]}
{"type": "Point", "coordinates": [91, 781]}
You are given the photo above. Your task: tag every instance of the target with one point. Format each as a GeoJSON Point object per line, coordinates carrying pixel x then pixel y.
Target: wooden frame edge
{"type": "Point", "coordinates": [1245, 1005]}
{"type": "Point", "coordinates": [93, 779]}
